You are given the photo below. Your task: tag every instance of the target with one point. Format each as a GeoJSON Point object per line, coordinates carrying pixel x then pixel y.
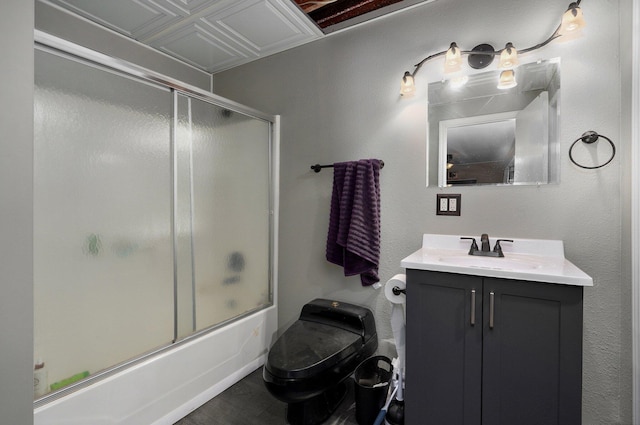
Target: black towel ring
{"type": "Point", "coordinates": [590, 137]}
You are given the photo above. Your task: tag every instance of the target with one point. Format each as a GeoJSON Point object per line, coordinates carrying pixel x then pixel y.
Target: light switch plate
{"type": "Point", "coordinates": [448, 203]}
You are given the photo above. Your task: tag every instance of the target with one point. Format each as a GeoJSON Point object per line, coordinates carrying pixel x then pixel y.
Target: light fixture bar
{"type": "Point", "coordinates": [573, 13]}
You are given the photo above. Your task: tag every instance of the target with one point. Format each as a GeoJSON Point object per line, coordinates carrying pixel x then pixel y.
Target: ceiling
{"type": "Point", "coordinates": [216, 35]}
{"type": "Point", "coordinates": [326, 13]}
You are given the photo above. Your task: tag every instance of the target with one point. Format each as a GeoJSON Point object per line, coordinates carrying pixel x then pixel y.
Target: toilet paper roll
{"type": "Point", "coordinates": [398, 329]}
{"type": "Point", "coordinates": [399, 281]}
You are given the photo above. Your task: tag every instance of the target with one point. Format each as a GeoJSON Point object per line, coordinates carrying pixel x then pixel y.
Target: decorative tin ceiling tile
{"type": "Point", "coordinates": [212, 35]}
{"type": "Point", "coordinates": [133, 18]}
{"type": "Point", "coordinates": [262, 26]}
{"type": "Point", "coordinates": [203, 48]}
{"type": "Point", "coordinates": [215, 35]}
{"type": "Point", "coordinates": [187, 7]}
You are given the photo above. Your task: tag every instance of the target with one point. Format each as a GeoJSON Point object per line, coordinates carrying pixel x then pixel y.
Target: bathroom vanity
{"type": "Point", "coordinates": [493, 341]}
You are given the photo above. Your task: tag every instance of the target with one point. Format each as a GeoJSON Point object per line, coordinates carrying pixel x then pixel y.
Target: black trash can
{"type": "Point", "coordinates": [373, 378]}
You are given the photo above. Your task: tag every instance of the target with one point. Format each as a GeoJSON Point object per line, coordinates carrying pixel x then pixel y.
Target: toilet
{"type": "Point", "coordinates": [308, 364]}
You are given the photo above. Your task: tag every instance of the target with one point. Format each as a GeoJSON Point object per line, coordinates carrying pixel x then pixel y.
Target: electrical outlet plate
{"type": "Point", "coordinates": [448, 203]}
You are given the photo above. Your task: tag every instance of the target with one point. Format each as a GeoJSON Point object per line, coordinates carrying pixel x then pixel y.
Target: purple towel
{"type": "Point", "coordinates": [353, 240]}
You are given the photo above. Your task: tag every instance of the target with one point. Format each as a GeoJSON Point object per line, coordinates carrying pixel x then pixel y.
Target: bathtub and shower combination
{"type": "Point", "coordinates": [155, 218]}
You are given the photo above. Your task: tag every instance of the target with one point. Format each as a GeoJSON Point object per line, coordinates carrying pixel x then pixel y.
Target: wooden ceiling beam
{"type": "Point", "coordinates": [343, 10]}
{"type": "Point", "coordinates": [311, 5]}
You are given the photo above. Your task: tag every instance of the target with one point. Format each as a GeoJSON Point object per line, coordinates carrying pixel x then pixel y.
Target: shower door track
{"type": "Point", "coordinates": [57, 43]}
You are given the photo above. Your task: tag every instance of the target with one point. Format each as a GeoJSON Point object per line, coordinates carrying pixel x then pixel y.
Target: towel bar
{"type": "Point", "coordinates": [319, 167]}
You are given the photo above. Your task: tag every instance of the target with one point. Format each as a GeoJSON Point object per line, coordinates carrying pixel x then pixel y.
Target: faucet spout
{"type": "Point", "coordinates": [486, 246]}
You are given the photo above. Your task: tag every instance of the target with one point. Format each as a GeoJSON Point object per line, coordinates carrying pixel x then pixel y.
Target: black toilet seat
{"type": "Point", "coordinates": [308, 348]}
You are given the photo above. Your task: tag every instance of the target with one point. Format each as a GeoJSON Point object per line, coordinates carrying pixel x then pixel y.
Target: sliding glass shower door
{"type": "Point", "coordinates": [230, 213]}
{"type": "Point", "coordinates": [222, 214]}
{"type": "Point", "coordinates": [151, 216]}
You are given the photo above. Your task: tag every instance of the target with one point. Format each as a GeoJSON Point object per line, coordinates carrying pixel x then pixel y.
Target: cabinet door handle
{"type": "Point", "coordinates": [492, 303]}
{"type": "Point", "coordinates": [473, 307]}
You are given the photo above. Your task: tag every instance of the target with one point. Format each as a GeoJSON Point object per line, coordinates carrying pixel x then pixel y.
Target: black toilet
{"type": "Point", "coordinates": [307, 366]}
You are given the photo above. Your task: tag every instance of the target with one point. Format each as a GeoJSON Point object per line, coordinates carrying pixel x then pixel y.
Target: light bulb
{"type": "Point", "coordinates": [572, 20]}
{"type": "Point", "coordinates": [507, 79]}
{"type": "Point", "coordinates": [458, 81]}
{"type": "Point", "coordinates": [452, 59]}
{"type": "Point", "coordinates": [508, 57]}
{"type": "Point", "coordinates": [407, 86]}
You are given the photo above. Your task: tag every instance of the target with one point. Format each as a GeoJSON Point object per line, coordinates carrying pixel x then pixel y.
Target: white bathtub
{"type": "Point", "coordinates": [166, 387]}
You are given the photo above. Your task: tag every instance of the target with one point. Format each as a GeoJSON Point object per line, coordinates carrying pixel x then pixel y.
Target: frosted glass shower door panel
{"type": "Point", "coordinates": [103, 259]}
{"type": "Point", "coordinates": [231, 215]}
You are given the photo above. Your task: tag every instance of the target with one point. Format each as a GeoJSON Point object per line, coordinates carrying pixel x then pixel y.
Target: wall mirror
{"type": "Point", "coordinates": [482, 135]}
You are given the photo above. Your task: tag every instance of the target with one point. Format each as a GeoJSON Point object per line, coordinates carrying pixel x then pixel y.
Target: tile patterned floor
{"type": "Point", "coordinates": [249, 403]}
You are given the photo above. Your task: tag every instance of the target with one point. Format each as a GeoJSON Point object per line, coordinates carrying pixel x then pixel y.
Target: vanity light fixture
{"type": "Point", "coordinates": [507, 79]}
{"type": "Point", "coordinates": [407, 86]}
{"type": "Point", "coordinates": [508, 57]}
{"type": "Point", "coordinates": [482, 55]}
{"type": "Point", "coordinates": [572, 20]}
{"type": "Point", "coordinates": [450, 163]}
{"type": "Point", "coordinates": [452, 59]}
{"type": "Point", "coordinates": [458, 81]}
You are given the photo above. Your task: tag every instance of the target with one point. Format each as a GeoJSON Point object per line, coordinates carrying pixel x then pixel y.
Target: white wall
{"type": "Point", "coordinates": [16, 212]}
{"type": "Point", "coordinates": [339, 101]}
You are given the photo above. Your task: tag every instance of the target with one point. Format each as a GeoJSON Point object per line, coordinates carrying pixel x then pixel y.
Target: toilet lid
{"type": "Point", "coordinates": [308, 348]}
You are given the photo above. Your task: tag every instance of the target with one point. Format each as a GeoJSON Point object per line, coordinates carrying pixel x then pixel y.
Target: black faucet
{"type": "Point", "coordinates": [484, 241]}
{"type": "Point", "coordinates": [485, 249]}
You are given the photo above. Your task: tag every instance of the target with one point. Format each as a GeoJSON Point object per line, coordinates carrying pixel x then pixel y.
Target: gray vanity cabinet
{"type": "Point", "coordinates": [492, 351]}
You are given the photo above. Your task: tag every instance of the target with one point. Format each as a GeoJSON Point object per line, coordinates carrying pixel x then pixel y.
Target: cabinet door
{"type": "Point", "coordinates": [532, 368]}
{"type": "Point", "coordinates": [444, 356]}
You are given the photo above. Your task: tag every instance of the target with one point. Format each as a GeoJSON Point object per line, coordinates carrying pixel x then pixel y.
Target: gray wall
{"type": "Point", "coordinates": [16, 212]}
{"type": "Point", "coordinates": [339, 101]}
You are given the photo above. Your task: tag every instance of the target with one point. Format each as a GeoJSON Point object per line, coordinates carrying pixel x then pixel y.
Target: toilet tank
{"type": "Point", "coordinates": [350, 317]}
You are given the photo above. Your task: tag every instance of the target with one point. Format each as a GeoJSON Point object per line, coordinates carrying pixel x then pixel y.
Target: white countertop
{"type": "Point", "coordinates": [537, 260]}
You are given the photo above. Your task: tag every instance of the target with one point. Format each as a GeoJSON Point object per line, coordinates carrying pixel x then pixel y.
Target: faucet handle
{"type": "Point", "coordinates": [474, 245]}
{"type": "Point", "coordinates": [497, 248]}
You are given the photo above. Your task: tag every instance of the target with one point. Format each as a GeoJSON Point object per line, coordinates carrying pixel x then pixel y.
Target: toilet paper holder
{"type": "Point", "coordinates": [395, 287]}
{"type": "Point", "coordinates": [397, 291]}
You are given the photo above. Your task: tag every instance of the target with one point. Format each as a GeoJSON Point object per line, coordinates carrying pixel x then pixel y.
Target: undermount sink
{"type": "Point", "coordinates": [537, 260]}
